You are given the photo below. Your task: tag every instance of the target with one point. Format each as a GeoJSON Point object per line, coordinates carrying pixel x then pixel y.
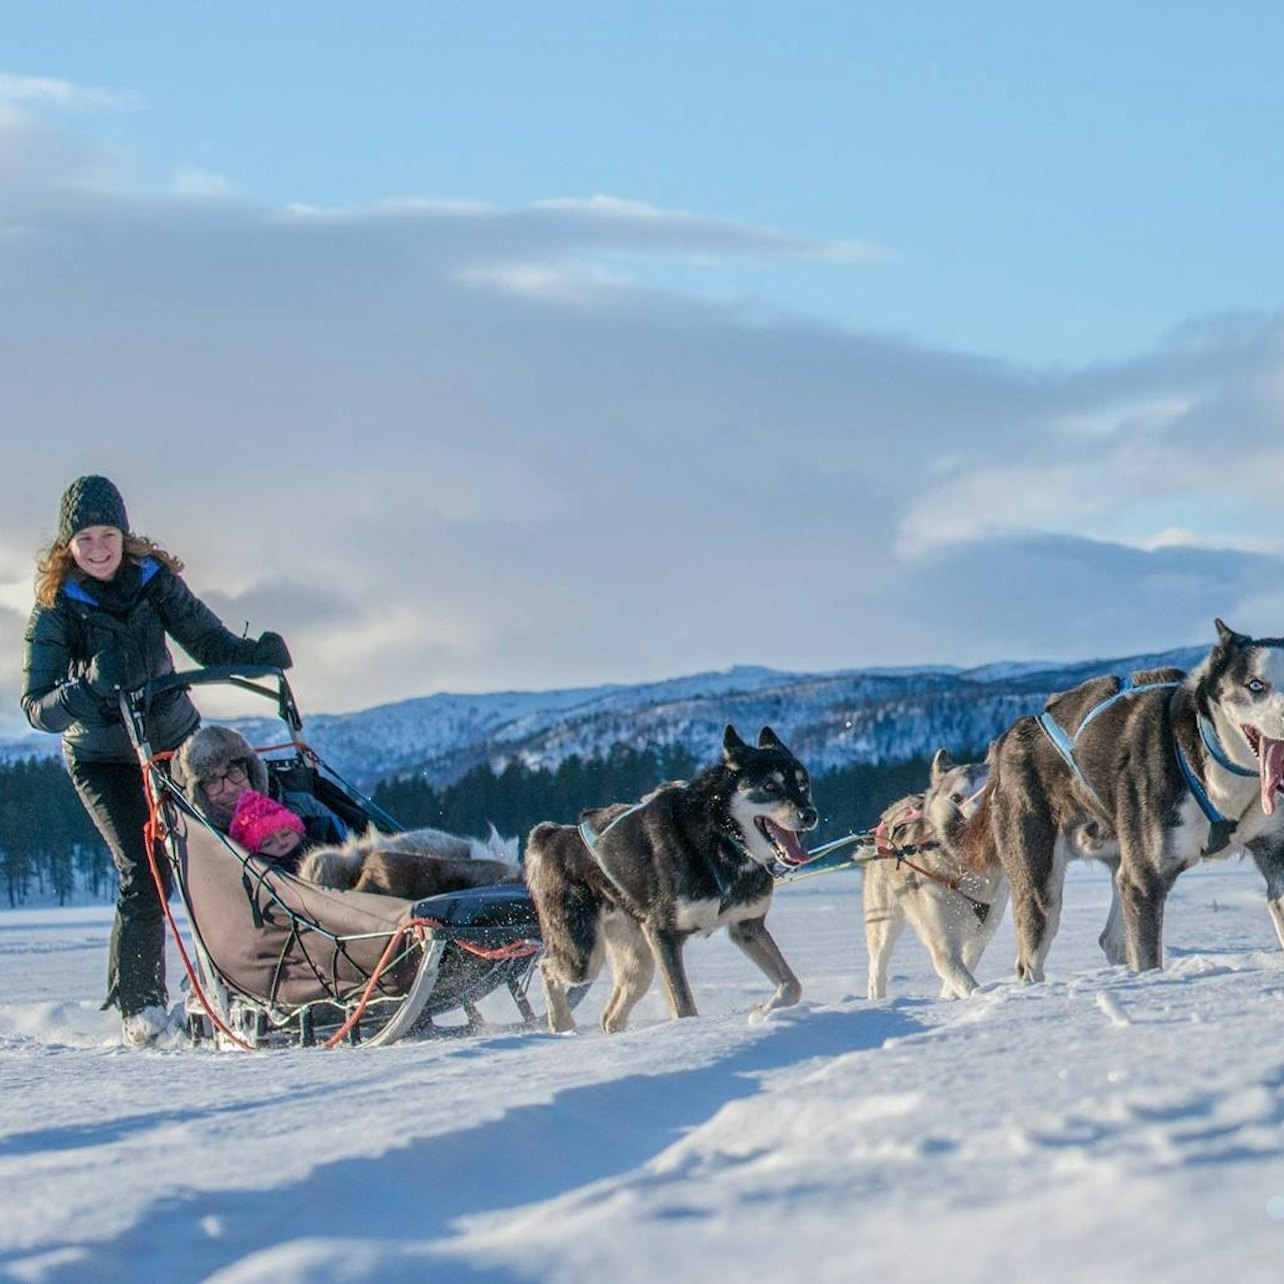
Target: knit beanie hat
{"type": "Point", "coordinates": [258, 817]}
{"type": "Point", "coordinates": [90, 501]}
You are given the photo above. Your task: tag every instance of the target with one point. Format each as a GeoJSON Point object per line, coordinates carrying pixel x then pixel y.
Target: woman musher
{"type": "Point", "coordinates": [106, 602]}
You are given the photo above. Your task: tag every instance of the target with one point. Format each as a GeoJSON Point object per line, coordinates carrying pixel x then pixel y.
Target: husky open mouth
{"type": "Point", "coordinates": [785, 841]}
{"type": "Point", "coordinates": [1270, 758]}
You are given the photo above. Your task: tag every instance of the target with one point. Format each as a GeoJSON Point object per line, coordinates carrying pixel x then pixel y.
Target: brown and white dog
{"type": "Point", "coordinates": [415, 864]}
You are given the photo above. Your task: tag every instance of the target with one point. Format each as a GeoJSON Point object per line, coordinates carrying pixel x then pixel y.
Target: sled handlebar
{"type": "Point", "coordinates": [242, 676]}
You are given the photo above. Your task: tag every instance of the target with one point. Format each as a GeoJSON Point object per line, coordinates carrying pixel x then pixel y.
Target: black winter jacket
{"type": "Point", "coordinates": [133, 612]}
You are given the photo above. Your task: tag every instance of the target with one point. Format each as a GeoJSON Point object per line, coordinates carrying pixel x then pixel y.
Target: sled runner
{"type": "Point", "coordinates": [279, 960]}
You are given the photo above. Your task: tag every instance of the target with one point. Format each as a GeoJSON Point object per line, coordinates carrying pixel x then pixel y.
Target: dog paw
{"type": "Point", "coordinates": [761, 1013]}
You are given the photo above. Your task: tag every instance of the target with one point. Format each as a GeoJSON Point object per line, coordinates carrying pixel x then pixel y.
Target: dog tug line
{"type": "Point", "coordinates": [884, 847]}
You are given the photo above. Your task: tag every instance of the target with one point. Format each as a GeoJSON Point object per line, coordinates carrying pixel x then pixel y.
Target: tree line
{"type": "Point", "coordinates": [849, 799]}
{"type": "Point", "coordinates": [49, 849]}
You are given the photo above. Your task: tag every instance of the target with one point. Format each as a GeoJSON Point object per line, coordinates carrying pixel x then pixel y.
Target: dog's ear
{"type": "Point", "coordinates": [732, 746]}
{"type": "Point", "coordinates": [941, 763]}
{"type": "Point", "coordinates": [1227, 637]}
{"type": "Point", "coordinates": [767, 739]}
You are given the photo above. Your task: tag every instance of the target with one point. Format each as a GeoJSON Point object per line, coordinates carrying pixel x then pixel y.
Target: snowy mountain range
{"type": "Point", "coordinates": [828, 719]}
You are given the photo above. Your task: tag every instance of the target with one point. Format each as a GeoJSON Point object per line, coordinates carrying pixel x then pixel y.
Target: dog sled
{"type": "Point", "coordinates": [277, 961]}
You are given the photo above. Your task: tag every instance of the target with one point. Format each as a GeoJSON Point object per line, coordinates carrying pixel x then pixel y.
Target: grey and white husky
{"type": "Point", "coordinates": [954, 899]}
{"type": "Point", "coordinates": [632, 883]}
{"type": "Point", "coordinates": [1148, 776]}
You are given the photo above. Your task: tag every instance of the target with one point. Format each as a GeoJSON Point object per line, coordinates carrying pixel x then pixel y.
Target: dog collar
{"type": "Point", "coordinates": [1220, 827]}
{"type": "Point", "coordinates": [1212, 742]}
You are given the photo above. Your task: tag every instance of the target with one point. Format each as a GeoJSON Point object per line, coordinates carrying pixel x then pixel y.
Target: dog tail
{"type": "Point", "coordinates": [567, 907]}
{"type": "Point", "coordinates": [476, 872]}
{"type": "Point", "coordinates": [437, 842]}
{"type": "Point", "coordinates": [337, 867]}
{"type": "Point", "coordinates": [496, 847]}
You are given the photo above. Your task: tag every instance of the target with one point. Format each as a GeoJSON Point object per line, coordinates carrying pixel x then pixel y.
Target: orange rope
{"type": "Point", "coordinates": [517, 950]}
{"type": "Point", "coordinates": [411, 924]}
{"type": "Point", "coordinates": [154, 832]}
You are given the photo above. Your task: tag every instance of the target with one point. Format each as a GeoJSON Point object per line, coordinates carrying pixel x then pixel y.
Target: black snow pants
{"type": "Point", "coordinates": [112, 794]}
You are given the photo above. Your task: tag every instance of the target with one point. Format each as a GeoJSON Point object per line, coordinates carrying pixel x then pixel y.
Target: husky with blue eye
{"type": "Point", "coordinates": [630, 884]}
{"type": "Point", "coordinates": [1149, 775]}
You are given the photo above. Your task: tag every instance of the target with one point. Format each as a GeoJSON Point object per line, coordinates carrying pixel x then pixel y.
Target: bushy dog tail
{"type": "Point", "coordinates": [337, 867]}
{"type": "Point", "coordinates": [568, 908]}
{"type": "Point", "coordinates": [496, 847]}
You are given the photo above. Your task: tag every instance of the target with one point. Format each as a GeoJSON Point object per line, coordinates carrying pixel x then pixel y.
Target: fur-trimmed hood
{"type": "Point", "coordinates": [210, 750]}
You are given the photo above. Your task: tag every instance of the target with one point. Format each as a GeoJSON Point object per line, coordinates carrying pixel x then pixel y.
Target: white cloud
{"type": "Point", "coordinates": [719, 236]}
{"type": "Point", "coordinates": [201, 184]}
{"type": "Point", "coordinates": [49, 91]}
{"type": "Point", "coordinates": [1114, 421]}
{"type": "Point", "coordinates": [385, 434]}
{"type": "Point", "coordinates": [558, 284]}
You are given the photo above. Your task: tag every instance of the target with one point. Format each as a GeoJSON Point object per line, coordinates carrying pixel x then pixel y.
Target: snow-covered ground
{"type": "Point", "coordinates": [1099, 1127]}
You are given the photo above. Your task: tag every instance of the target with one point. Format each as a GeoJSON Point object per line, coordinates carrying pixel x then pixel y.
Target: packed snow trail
{"type": "Point", "coordinates": [1102, 1126]}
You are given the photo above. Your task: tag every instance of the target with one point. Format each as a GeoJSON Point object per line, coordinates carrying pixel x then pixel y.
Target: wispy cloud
{"type": "Point", "coordinates": [202, 185]}
{"type": "Point", "coordinates": [484, 487]}
{"type": "Point", "coordinates": [719, 236]}
{"type": "Point", "coordinates": [51, 92]}
{"type": "Point", "coordinates": [570, 284]}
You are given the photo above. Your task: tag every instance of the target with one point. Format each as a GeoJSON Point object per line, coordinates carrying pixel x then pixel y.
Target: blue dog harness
{"type": "Point", "coordinates": [590, 838]}
{"type": "Point", "coordinates": [1221, 827]}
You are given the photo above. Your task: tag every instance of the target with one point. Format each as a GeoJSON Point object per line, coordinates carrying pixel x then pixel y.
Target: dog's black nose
{"type": "Point", "coordinates": [809, 817]}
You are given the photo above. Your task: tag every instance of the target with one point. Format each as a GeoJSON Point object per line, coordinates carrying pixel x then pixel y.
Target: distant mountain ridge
{"type": "Point", "coordinates": [829, 719]}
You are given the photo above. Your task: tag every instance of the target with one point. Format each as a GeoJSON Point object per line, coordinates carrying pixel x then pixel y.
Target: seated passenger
{"type": "Point", "coordinates": [265, 828]}
{"type": "Point", "coordinates": [215, 765]}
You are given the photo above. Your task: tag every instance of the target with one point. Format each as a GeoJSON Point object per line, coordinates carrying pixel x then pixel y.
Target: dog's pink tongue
{"type": "Point", "coordinates": [1271, 753]}
{"type": "Point", "coordinates": [794, 850]}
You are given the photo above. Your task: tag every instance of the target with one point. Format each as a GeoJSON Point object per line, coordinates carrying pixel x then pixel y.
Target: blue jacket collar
{"type": "Point", "coordinates": [75, 590]}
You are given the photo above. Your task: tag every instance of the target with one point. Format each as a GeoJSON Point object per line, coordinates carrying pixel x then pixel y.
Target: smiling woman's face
{"type": "Point", "coordinates": [98, 550]}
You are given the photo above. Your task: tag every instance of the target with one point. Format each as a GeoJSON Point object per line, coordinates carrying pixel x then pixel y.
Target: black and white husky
{"type": "Point", "coordinates": [950, 887]}
{"type": "Point", "coordinates": [1149, 776]}
{"type": "Point", "coordinates": [630, 884]}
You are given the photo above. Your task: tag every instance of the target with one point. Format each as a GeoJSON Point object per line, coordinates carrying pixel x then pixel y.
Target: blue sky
{"type": "Point", "coordinates": [1051, 182]}
{"type": "Point", "coordinates": [790, 319]}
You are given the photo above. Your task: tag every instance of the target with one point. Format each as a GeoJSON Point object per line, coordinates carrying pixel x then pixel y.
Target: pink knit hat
{"type": "Point", "coordinates": [257, 817]}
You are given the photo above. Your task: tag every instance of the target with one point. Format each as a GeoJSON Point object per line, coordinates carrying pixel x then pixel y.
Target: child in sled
{"type": "Point", "coordinates": [266, 829]}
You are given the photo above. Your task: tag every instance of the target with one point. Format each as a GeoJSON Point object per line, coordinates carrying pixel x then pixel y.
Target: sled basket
{"type": "Point", "coordinates": [281, 960]}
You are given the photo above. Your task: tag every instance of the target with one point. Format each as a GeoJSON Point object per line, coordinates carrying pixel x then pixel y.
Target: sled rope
{"type": "Point", "coordinates": [901, 855]}
{"type": "Point", "coordinates": [514, 950]}
{"type": "Point", "coordinates": [416, 925]}
{"type": "Point", "coordinates": [886, 849]}
{"type": "Point", "coordinates": [153, 833]}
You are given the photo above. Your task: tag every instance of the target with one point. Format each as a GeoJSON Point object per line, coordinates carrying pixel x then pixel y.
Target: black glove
{"type": "Point", "coordinates": [271, 649]}
{"type": "Point", "coordinates": [112, 670]}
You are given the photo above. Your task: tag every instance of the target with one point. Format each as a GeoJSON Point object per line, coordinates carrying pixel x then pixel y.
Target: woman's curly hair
{"type": "Point", "coordinates": [54, 563]}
